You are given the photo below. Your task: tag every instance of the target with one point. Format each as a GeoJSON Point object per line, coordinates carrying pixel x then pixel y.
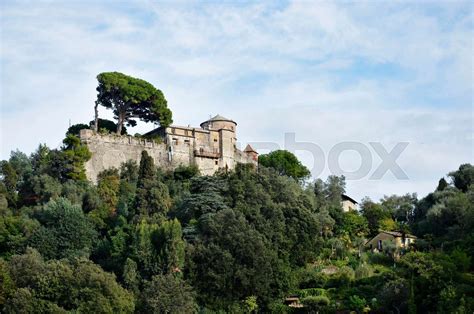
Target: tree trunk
{"type": "Point", "coordinates": [121, 119]}
{"type": "Point", "coordinates": [96, 117]}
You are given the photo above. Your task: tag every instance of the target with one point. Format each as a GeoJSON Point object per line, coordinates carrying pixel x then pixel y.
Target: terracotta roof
{"type": "Point", "coordinates": [249, 149]}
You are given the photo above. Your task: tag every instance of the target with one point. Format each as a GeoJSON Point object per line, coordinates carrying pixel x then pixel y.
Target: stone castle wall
{"type": "Point", "coordinates": [111, 150]}
{"type": "Point", "coordinates": [207, 150]}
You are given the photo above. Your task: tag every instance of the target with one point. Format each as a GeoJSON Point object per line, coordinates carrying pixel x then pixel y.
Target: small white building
{"type": "Point", "coordinates": [348, 203]}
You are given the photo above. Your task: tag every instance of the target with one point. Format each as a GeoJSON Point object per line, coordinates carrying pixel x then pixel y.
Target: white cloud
{"type": "Point", "coordinates": [322, 70]}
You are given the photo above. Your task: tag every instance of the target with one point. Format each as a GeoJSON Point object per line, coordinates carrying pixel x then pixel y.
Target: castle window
{"type": "Point", "coordinates": [215, 140]}
{"type": "Point", "coordinates": [216, 162]}
{"type": "Point", "coordinates": [379, 245]}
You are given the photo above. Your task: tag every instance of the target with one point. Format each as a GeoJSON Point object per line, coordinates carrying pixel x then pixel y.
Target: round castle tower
{"type": "Point", "coordinates": [219, 123]}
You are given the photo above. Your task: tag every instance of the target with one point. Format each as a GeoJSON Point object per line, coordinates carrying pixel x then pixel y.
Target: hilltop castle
{"type": "Point", "coordinates": [210, 147]}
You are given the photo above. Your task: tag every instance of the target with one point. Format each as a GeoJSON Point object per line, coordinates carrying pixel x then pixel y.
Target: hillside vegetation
{"type": "Point", "coordinates": [148, 241]}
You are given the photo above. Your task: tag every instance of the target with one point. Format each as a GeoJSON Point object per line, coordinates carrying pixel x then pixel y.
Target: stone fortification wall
{"type": "Point", "coordinates": [111, 151]}
{"type": "Point", "coordinates": [209, 150]}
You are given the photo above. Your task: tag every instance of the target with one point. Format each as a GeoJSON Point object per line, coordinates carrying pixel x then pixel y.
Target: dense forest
{"type": "Point", "coordinates": [146, 240]}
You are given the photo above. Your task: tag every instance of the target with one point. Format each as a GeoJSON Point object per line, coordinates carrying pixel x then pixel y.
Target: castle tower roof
{"type": "Point", "coordinates": [249, 149]}
{"type": "Point", "coordinates": [219, 118]}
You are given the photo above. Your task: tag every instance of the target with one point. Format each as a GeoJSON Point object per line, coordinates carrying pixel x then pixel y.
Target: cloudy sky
{"type": "Point", "coordinates": [324, 72]}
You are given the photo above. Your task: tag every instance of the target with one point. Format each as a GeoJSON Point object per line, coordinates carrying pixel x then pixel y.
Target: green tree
{"type": "Point", "coordinates": [428, 273]}
{"type": "Point", "coordinates": [3, 199]}
{"type": "Point", "coordinates": [285, 163]}
{"type": "Point", "coordinates": [15, 231]}
{"type": "Point", "coordinates": [146, 170]}
{"type": "Point", "coordinates": [144, 250]}
{"type": "Point", "coordinates": [205, 198]}
{"type": "Point", "coordinates": [56, 286]}
{"type": "Point", "coordinates": [394, 295]}
{"type": "Point", "coordinates": [449, 301]}
{"type": "Point", "coordinates": [463, 177]}
{"type": "Point", "coordinates": [131, 98]}
{"type": "Point", "coordinates": [233, 261]}
{"type": "Point", "coordinates": [65, 231]}
{"type": "Point", "coordinates": [129, 171]}
{"type": "Point", "coordinates": [152, 196]}
{"type": "Point", "coordinates": [328, 197]}
{"type": "Point", "coordinates": [76, 128]}
{"type": "Point", "coordinates": [335, 186]}
{"type": "Point", "coordinates": [131, 276]}
{"type": "Point", "coordinates": [45, 188]}
{"type": "Point", "coordinates": [108, 186]}
{"type": "Point", "coordinates": [21, 163]}
{"type": "Point", "coordinates": [10, 180]}
{"type": "Point", "coordinates": [315, 304]}
{"type": "Point", "coordinates": [326, 223]}
{"type": "Point", "coordinates": [374, 213]}
{"type": "Point", "coordinates": [170, 246]}
{"type": "Point", "coordinates": [401, 208]}
{"type": "Point", "coordinates": [167, 294]}
{"type": "Point", "coordinates": [355, 225]}
{"type": "Point", "coordinates": [250, 304]}
{"type": "Point", "coordinates": [442, 184]}
{"type": "Point", "coordinates": [357, 303]}
{"type": "Point", "coordinates": [76, 155]}
{"type": "Point", "coordinates": [108, 125]}
{"type": "Point", "coordinates": [319, 194]}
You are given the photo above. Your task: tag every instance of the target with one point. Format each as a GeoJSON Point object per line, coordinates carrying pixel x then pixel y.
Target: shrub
{"type": "Point", "coordinates": [277, 307]}
{"type": "Point", "coordinates": [461, 259]}
{"type": "Point", "coordinates": [363, 271]}
{"type": "Point", "coordinates": [344, 277]}
{"type": "Point", "coordinates": [311, 278]}
{"type": "Point", "coordinates": [311, 292]}
{"type": "Point", "coordinates": [315, 303]}
{"type": "Point", "coordinates": [357, 303]}
{"type": "Point", "coordinates": [378, 258]}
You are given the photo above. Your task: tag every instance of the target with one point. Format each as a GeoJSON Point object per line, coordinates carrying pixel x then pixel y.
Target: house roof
{"type": "Point", "coordinates": [395, 234]}
{"type": "Point", "coordinates": [347, 198]}
{"type": "Point", "coordinates": [398, 234]}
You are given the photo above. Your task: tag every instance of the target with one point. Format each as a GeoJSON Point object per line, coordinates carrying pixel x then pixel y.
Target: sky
{"type": "Point", "coordinates": [325, 73]}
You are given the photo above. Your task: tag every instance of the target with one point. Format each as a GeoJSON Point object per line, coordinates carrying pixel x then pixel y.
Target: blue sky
{"type": "Point", "coordinates": [330, 72]}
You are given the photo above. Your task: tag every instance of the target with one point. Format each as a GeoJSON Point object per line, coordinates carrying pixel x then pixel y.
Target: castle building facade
{"type": "Point", "coordinates": [210, 147]}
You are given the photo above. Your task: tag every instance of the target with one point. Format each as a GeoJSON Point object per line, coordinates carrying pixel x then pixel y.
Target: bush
{"type": "Point", "coordinates": [461, 259]}
{"type": "Point", "coordinates": [311, 292]}
{"type": "Point", "coordinates": [344, 277]}
{"type": "Point", "coordinates": [357, 303]}
{"type": "Point", "coordinates": [311, 278]}
{"type": "Point", "coordinates": [378, 258]}
{"type": "Point", "coordinates": [363, 271]}
{"type": "Point", "coordinates": [185, 172]}
{"type": "Point", "coordinates": [277, 307]}
{"type": "Point", "coordinates": [315, 303]}
{"type": "Point", "coordinates": [167, 294]}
